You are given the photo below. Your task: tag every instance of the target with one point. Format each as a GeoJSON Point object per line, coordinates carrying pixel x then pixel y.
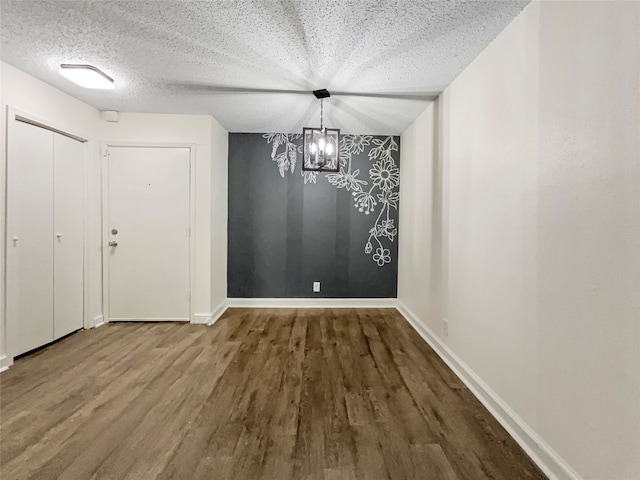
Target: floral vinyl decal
{"type": "Point", "coordinates": [375, 192]}
{"type": "Point", "coordinates": [288, 158]}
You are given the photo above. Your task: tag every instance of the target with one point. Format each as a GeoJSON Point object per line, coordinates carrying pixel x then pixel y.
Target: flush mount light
{"type": "Point", "coordinates": [87, 76]}
{"type": "Point", "coordinates": [320, 145]}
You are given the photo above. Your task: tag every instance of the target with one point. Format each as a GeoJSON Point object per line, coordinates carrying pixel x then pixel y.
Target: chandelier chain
{"type": "Point", "coordinates": [321, 112]}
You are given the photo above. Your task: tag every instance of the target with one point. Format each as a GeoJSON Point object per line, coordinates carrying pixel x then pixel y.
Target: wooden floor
{"type": "Point", "coordinates": [263, 394]}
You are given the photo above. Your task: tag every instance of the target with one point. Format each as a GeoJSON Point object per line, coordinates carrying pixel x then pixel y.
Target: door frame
{"type": "Point", "coordinates": [13, 115]}
{"type": "Point", "coordinates": [104, 167]}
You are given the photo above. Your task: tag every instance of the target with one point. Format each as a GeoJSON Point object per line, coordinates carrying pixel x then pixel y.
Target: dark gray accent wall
{"type": "Point", "coordinates": [289, 228]}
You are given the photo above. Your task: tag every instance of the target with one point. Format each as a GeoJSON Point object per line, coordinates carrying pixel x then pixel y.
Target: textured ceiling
{"type": "Point", "coordinates": [194, 56]}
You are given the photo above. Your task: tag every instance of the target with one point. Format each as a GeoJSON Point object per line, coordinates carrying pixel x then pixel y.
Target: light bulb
{"type": "Point", "coordinates": [329, 148]}
{"type": "Point", "coordinates": [321, 143]}
{"type": "Point", "coordinates": [313, 147]}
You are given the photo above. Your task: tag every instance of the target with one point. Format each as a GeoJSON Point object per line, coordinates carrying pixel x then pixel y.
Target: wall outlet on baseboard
{"type": "Point", "coordinates": [316, 286]}
{"type": "Point", "coordinates": [446, 327]}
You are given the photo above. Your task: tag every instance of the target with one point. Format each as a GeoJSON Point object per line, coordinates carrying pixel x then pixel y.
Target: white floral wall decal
{"type": "Point", "coordinates": [355, 143]}
{"type": "Point", "coordinates": [383, 182]}
{"type": "Point", "coordinates": [309, 177]}
{"type": "Point", "coordinates": [288, 158]}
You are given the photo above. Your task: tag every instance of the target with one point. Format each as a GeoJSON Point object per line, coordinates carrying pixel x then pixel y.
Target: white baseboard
{"type": "Point", "coordinates": [218, 312]}
{"type": "Point", "coordinates": [155, 319]}
{"type": "Point", "coordinates": [210, 318]}
{"type": "Point", "coordinates": [552, 464]}
{"type": "Point", "coordinates": [5, 362]}
{"type": "Point", "coordinates": [201, 318]}
{"type": "Point", "coordinates": [98, 321]}
{"type": "Point", "coordinates": [312, 302]}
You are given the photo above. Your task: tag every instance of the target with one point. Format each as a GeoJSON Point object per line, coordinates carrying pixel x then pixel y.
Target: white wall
{"type": "Point", "coordinates": [588, 242]}
{"type": "Point", "coordinates": [219, 211]}
{"type": "Point", "coordinates": [24, 92]}
{"type": "Point", "coordinates": [418, 266]}
{"type": "Point", "coordinates": [528, 240]}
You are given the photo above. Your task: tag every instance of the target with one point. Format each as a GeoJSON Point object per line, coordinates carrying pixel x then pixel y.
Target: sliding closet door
{"type": "Point", "coordinates": [68, 235]}
{"type": "Point", "coordinates": [29, 238]}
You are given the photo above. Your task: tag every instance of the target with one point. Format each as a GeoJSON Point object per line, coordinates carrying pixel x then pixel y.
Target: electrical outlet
{"type": "Point", "coordinates": [446, 327]}
{"type": "Point", "coordinates": [316, 286]}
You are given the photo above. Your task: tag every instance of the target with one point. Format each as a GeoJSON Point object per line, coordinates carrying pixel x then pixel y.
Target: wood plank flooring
{"type": "Point", "coordinates": [323, 394]}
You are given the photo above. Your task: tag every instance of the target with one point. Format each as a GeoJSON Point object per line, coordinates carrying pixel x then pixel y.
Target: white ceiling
{"type": "Point", "coordinates": [190, 56]}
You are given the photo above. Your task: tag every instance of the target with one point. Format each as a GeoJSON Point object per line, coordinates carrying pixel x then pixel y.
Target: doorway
{"type": "Point", "coordinates": [147, 230]}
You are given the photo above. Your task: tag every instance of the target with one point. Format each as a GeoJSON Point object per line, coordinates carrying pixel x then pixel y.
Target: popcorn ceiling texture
{"type": "Point", "coordinates": [173, 56]}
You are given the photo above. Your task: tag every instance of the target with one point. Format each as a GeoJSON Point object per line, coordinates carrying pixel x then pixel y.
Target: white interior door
{"type": "Point", "coordinates": [148, 218]}
{"type": "Point", "coordinates": [29, 287]}
{"type": "Point", "coordinates": [68, 237]}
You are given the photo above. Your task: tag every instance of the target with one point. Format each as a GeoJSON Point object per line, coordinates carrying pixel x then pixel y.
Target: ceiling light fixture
{"type": "Point", "coordinates": [320, 145]}
{"type": "Point", "coordinates": [87, 76]}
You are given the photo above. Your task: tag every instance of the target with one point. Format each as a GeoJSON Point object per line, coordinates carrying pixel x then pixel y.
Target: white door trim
{"type": "Point", "coordinates": [105, 214]}
{"type": "Point", "coordinates": [12, 115]}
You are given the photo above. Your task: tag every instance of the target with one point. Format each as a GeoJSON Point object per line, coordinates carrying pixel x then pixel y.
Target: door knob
{"type": "Point", "coordinates": [113, 244]}
{"type": "Point", "coordinates": [59, 235]}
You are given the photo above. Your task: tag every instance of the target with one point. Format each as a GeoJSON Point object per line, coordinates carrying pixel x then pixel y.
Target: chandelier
{"type": "Point", "coordinates": [320, 145]}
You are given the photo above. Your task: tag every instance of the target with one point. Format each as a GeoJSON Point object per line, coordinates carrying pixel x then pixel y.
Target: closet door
{"type": "Point", "coordinates": [29, 238]}
{"type": "Point", "coordinates": [68, 236]}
